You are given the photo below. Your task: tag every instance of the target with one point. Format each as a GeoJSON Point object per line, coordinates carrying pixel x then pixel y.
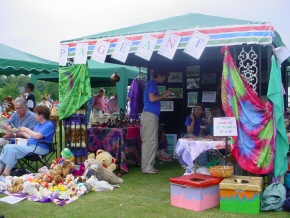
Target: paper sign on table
{"type": "Point", "coordinates": [224, 126]}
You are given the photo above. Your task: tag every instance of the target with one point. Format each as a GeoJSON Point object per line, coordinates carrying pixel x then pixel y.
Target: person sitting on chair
{"type": "Point", "coordinates": [42, 133]}
{"type": "Point", "coordinates": [22, 117]}
{"type": "Point", "coordinates": [197, 124]}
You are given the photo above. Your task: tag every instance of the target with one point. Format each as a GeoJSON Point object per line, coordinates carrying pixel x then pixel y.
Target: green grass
{"type": "Point", "coordinates": [139, 196]}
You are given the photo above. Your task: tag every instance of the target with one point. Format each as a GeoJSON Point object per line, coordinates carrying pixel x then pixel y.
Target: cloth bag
{"type": "Point", "coordinates": [273, 198]}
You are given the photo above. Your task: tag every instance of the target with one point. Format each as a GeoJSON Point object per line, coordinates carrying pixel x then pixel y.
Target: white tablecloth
{"type": "Point", "coordinates": [190, 149]}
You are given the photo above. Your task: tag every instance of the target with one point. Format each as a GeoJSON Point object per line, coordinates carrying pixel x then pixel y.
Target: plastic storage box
{"type": "Point", "coordinates": [241, 194]}
{"type": "Point", "coordinates": [196, 192]}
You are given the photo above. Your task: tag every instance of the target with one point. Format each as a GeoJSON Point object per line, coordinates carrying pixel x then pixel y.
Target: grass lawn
{"type": "Point", "coordinates": [139, 196]}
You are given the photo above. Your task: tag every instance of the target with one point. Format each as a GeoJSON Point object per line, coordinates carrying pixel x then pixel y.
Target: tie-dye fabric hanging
{"type": "Point", "coordinates": [254, 147]}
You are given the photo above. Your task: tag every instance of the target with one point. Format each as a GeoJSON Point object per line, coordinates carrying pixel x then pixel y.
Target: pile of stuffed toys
{"type": "Point", "coordinates": [63, 180]}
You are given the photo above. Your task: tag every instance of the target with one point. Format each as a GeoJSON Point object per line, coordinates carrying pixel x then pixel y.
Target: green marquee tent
{"type": "Point", "coordinates": [16, 62]}
{"type": "Point", "coordinates": [101, 77]}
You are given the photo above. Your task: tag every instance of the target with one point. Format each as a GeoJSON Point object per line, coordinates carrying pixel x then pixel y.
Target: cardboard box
{"type": "Point", "coordinates": [241, 194]}
{"type": "Point", "coordinates": [196, 192]}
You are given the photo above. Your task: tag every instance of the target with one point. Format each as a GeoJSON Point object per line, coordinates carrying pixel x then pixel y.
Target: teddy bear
{"type": "Point", "coordinates": [96, 184]}
{"type": "Point", "coordinates": [105, 174]}
{"type": "Point", "coordinates": [67, 167]}
{"type": "Point", "coordinates": [48, 176]}
{"type": "Point", "coordinates": [16, 186]}
{"type": "Point", "coordinates": [43, 193]}
{"type": "Point", "coordinates": [106, 158]}
{"type": "Point", "coordinates": [30, 188]}
{"type": "Point", "coordinates": [58, 170]}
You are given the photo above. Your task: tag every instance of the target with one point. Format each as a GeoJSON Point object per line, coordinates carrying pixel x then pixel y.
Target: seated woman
{"type": "Point", "coordinates": [43, 131]}
{"type": "Point", "coordinates": [197, 124]}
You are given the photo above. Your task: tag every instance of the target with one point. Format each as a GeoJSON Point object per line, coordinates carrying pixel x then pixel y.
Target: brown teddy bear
{"type": "Point", "coordinates": [16, 186]}
{"type": "Point", "coordinates": [48, 176]}
{"type": "Point", "coordinates": [67, 167]}
{"type": "Point", "coordinates": [106, 159]}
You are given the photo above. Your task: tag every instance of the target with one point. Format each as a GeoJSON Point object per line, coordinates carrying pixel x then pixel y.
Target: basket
{"type": "Point", "coordinates": [221, 171]}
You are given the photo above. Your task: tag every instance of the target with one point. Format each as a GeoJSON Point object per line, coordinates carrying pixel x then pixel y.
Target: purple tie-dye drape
{"type": "Point", "coordinates": [254, 147]}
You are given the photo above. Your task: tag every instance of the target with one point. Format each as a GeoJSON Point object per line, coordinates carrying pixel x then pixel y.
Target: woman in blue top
{"type": "Point", "coordinates": [43, 131]}
{"type": "Point", "coordinates": [196, 123]}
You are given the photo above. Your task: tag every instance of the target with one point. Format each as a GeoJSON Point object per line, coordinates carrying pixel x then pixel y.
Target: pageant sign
{"type": "Point", "coordinates": [165, 44]}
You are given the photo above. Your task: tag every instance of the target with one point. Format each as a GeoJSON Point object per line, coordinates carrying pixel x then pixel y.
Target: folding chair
{"type": "Point", "coordinates": [33, 161]}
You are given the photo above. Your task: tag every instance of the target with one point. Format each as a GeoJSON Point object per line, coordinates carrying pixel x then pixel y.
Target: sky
{"type": "Point", "coordinates": [38, 26]}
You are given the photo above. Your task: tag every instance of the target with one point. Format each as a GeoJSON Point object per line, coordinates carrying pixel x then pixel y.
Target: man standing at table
{"type": "Point", "coordinates": [99, 103]}
{"type": "Point", "coordinates": [150, 120]}
{"type": "Point", "coordinates": [22, 117]}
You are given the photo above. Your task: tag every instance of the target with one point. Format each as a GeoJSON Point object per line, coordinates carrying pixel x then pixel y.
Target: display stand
{"type": "Point", "coordinates": [75, 128]}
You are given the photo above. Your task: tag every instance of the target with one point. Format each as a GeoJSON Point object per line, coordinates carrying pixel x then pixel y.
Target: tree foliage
{"type": "Point", "coordinates": [14, 86]}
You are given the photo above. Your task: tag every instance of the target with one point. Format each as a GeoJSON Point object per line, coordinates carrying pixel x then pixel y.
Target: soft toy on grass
{"type": "Point", "coordinates": [16, 186]}
{"type": "Point", "coordinates": [30, 188]}
{"type": "Point", "coordinates": [106, 159]}
{"type": "Point", "coordinates": [105, 174]}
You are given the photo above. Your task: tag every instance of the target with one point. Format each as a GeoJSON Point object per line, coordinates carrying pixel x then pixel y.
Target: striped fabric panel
{"type": "Point", "coordinates": [219, 36]}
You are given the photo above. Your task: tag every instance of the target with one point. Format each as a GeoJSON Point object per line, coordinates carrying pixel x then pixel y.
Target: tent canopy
{"type": "Point", "coordinates": [101, 77]}
{"type": "Point", "coordinates": [222, 31]}
{"type": "Point", "coordinates": [13, 61]}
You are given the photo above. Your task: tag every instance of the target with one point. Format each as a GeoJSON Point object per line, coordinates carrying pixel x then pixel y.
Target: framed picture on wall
{"type": "Point", "coordinates": [178, 92]}
{"type": "Point", "coordinates": [193, 83]}
{"type": "Point", "coordinates": [171, 144]}
{"type": "Point", "coordinates": [167, 105]}
{"type": "Point", "coordinates": [192, 99]}
{"type": "Point", "coordinates": [174, 77]}
{"type": "Point", "coordinates": [208, 78]}
{"type": "Point", "coordinates": [161, 89]}
{"type": "Point", "coordinates": [192, 71]}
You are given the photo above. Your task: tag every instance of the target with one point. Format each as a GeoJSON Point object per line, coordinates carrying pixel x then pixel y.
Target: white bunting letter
{"type": "Point", "coordinates": [81, 53]}
{"type": "Point", "coordinates": [63, 53]}
{"type": "Point", "coordinates": [196, 44]}
{"type": "Point", "coordinates": [100, 51]}
{"type": "Point", "coordinates": [169, 45]}
{"type": "Point", "coordinates": [146, 47]}
{"type": "Point", "coordinates": [122, 50]}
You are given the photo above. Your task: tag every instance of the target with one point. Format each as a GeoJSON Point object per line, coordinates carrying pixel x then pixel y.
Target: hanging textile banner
{"type": "Point", "coordinates": [219, 36]}
{"type": "Point", "coordinates": [196, 45]}
{"type": "Point", "coordinates": [146, 47]}
{"type": "Point", "coordinates": [275, 94]}
{"type": "Point", "coordinates": [254, 147]}
{"type": "Point", "coordinates": [81, 53]}
{"type": "Point", "coordinates": [122, 50]}
{"type": "Point", "coordinates": [169, 45]}
{"type": "Point", "coordinates": [282, 53]}
{"type": "Point", "coordinates": [75, 88]}
{"type": "Point", "coordinates": [100, 51]}
{"type": "Point", "coordinates": [63, 54]}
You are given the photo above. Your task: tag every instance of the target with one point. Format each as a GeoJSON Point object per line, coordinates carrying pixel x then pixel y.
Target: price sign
{"type": "Point", "coordinates": [225, 126]}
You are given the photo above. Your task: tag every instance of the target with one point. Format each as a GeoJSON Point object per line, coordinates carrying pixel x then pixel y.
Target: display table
{"type": "Point", "coordinates": [191, 149]}
{"type": "Point", "coordinates": [122, 143]}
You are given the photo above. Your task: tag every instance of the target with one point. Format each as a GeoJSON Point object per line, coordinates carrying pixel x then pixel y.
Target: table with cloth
{"type": "Point", "coordinates": [189, 149]}
{"type": "Point", "coordinates": [122, 143]}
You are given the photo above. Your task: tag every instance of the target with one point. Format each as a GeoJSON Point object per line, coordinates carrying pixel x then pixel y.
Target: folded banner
{"type": "Point", "coordinates": [275, 94]}
{"type": "Point", "coordinates": [253, 148]}
{"type": "Point", "coordinates": [75, 88]}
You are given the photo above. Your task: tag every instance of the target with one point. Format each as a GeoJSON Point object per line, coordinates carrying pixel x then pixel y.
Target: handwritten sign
{"type": "Point", "coordinates": [225, 126]}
